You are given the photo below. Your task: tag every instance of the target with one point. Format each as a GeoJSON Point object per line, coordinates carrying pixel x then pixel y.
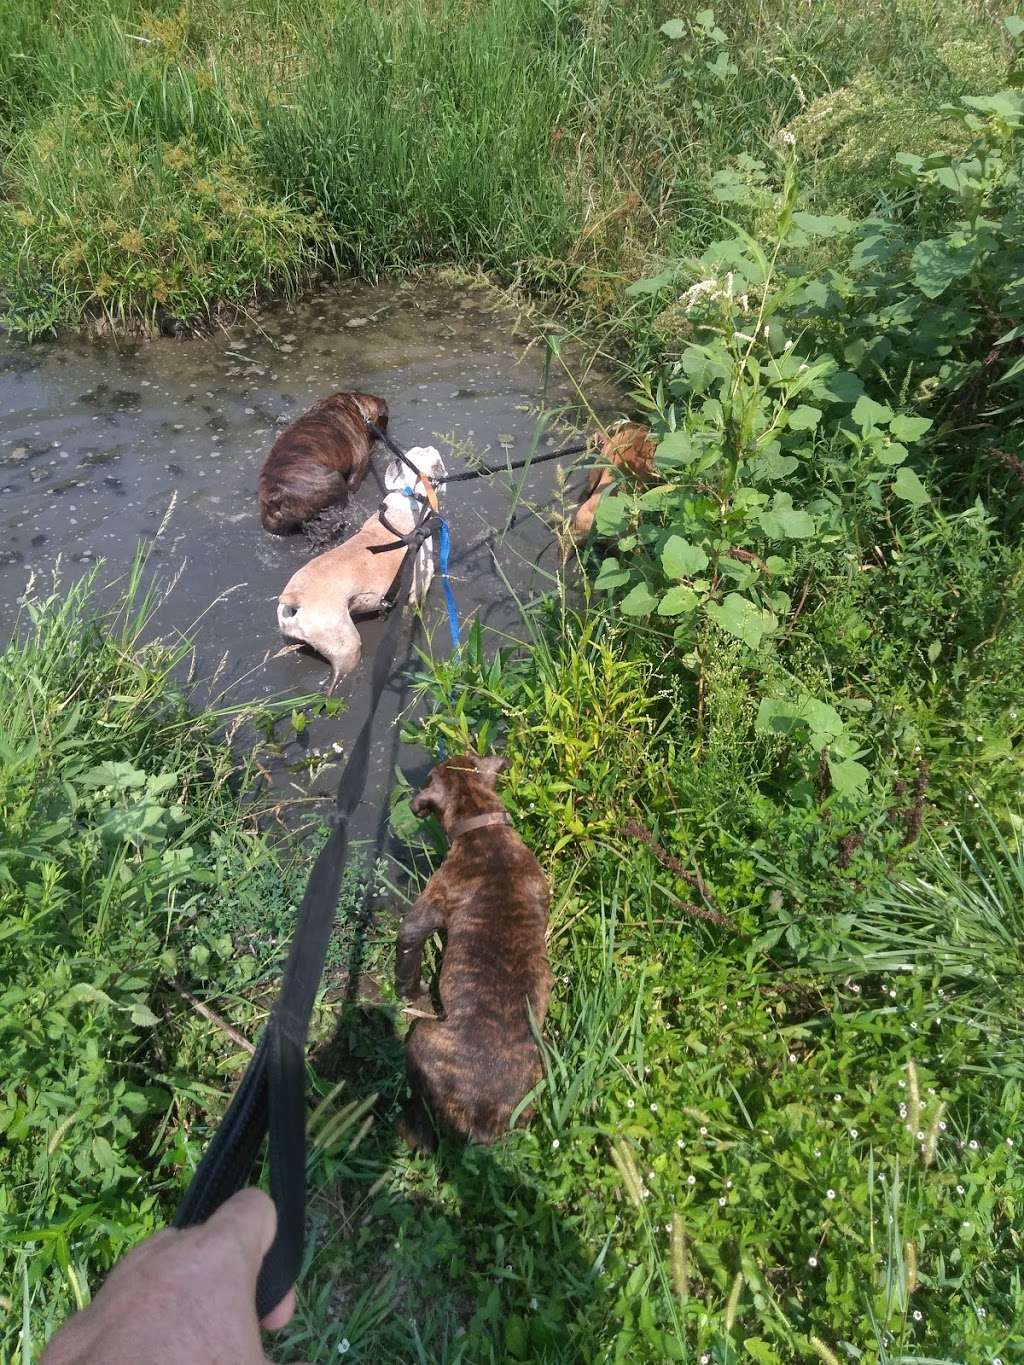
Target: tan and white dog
{"type": "Point", "coordinates": [318, 603]}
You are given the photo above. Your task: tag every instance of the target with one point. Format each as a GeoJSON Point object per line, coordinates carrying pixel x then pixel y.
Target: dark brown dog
{"type": "Point", "coordinates": [319, 460]}
{"type": "Point", "coordinates": [469, 1067]}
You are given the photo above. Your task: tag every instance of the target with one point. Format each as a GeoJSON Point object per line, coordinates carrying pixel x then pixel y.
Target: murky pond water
{"type": "Point", "coordinates": [101, 445]}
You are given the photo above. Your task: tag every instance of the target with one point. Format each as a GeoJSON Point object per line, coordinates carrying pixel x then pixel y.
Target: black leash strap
{"type": "Point", "coordinates": [271, 1096]}
{"type": "Point", "coordinates": [485, 469]}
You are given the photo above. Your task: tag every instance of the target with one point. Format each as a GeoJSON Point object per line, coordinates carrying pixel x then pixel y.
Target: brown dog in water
{"type": "Point", "coordinates": [319, 460]}
{"type": "Point", "coordinates": [629, 449]}
{"type": "Point", "coordinates": [469, 1067]}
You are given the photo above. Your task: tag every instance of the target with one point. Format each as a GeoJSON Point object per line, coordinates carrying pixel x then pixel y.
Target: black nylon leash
{"type": "Point", "coordinates": [484, 470]}
{"type": "Point", "coordinates": [271, 1095]}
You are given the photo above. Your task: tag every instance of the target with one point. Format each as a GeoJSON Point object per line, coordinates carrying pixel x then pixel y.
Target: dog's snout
{"type": "Point", "coordinates": [286, 610]}
{"type": "Point", "coordinates": [418, 805]}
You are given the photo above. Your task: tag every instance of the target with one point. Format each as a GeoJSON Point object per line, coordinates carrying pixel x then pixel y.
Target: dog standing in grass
{"type": "Point", "coordinates": [470, 1066]}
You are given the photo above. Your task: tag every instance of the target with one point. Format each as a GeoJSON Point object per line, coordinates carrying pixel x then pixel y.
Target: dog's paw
{"type": "Point", "coordinates": [409, 992]}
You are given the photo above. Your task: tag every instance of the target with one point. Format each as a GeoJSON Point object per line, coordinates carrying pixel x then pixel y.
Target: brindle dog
{"type": "Point", "coordinates": [319, 460]}
{"type": "Point", "coordinates": [470, 1067]}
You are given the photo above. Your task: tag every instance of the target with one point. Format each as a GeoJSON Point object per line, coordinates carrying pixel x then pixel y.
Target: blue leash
{"type": "Point", "coordinates": [444, 545]}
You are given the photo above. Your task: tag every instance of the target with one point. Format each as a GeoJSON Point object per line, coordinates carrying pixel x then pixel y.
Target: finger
{"type": "Point", "coordinates": [250, 1216]}
{"type": "Point", "coordinates": [250, 1219]}
{"type": "Point", "coordinates": [282, 1314]}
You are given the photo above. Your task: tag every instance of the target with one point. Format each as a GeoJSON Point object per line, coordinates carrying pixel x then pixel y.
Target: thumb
{"type": "Point", "coordinates": [250, 1219]}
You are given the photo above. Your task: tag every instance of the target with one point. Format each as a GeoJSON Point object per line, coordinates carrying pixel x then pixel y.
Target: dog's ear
{"type": "Point", "coordinates": [489, 768]}
{"type": "Point", "coordinates": [432, 798]}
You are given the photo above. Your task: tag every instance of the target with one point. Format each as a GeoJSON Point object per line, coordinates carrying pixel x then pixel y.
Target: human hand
{"type": "Point", "coordinates": [182, 1297]}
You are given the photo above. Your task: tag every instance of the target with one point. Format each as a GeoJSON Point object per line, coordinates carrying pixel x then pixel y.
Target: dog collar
{"type": "Point", "coordinates": [492, 817]}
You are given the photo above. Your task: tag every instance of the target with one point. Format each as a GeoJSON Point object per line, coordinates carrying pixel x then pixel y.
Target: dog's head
{"type": "Point", "coordinates": [459, 787]}
{"type": "Point", "coordinates": [373, 409]}
{"type": "Point", "coordinates": [427, 459]}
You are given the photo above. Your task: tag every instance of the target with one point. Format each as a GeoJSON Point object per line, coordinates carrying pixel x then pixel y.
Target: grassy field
{"type": "Point", "coordinates": [164, 160]}
{"type": "Point", "coordinates": [770, 753]}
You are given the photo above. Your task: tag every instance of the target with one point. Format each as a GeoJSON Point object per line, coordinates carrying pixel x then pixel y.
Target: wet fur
{"type": "Point", "coordinates": [326, 529]}
{"type": "Point", "coordinates": [470, 1067]}
{"type": "Point", "coordinates": [628, 449]}
{"type": "Point", "coordinates": [319, 460]}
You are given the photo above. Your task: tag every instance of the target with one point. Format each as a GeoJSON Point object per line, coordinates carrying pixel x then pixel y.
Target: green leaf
{"type": "Point", "coordinates": [772, 465]}
{"type": "Point", "coordinates": [1014, 27]}
{"type": "Point", "coordinates": [844, 386]}
{"type": "Point", "coordinates": [517, 1337]}
{"type": "Point", "coordinates": [143, 1015]}
{"type": "Point", "coordinates": [673, 28]}
{"type": "Point", "coordinates": [785, 520]}
{"type": "Point", "coordinates": [909, 487]}
{"type": "Point", "coordinates": [680, 559]}
{"type": "Point", "coordinates": [119, 776]}
{"type": "Point", "coordinates": [639, 602]}
{"type": "Point", "coordinates": [848, 776]}
{"type": "Point", "coordinates": [103, 1154]}
{"type": "Point", "coordinates": [676, 447]}
{"type": "Point", "coordinates": [160, 783]}
{"type": "Point", "coordinates": [760, 1352]}
{"type": "Point", "coordinates": [405, 825]}
{"type": "Point", "coordinates": [907, 428]}
{"type": "Point", "coordinates": [780, 716]}
{"type": "Point", "coordinates": [677, 601]}
{"type": "Point", "coordinates": [84, 993]}
{"type": "Point", "coordinates": [610, 575]}
{"type": "Point", "coordinates": [653, 284]}
{"type": "Point", "coordinates": [823, 225]}
{"type": "Point", "coordinates": [890, 453]}
{"type": "Point", "coordinates": [740, 617]}
{"type": "Point", "coordinates": [936, 263]}
{"type": "Point", "coordinates": [867, 413]}
{"type": "Point", "coordinates": [612, 514]}
{"type": "Point", "coordinates": [804, 418]}
{"type": "Point", "coordinates": [1005, 104]}
{"type": "Point", "coordinates": [140, 823]}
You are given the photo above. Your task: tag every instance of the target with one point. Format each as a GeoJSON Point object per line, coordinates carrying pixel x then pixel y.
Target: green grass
{"type": "Point", "coordinates": [126, 825]}
{"type": "Point", "coordinates": [751, 1090]}
{"type": "Point", "coordinates": [162, 161]}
